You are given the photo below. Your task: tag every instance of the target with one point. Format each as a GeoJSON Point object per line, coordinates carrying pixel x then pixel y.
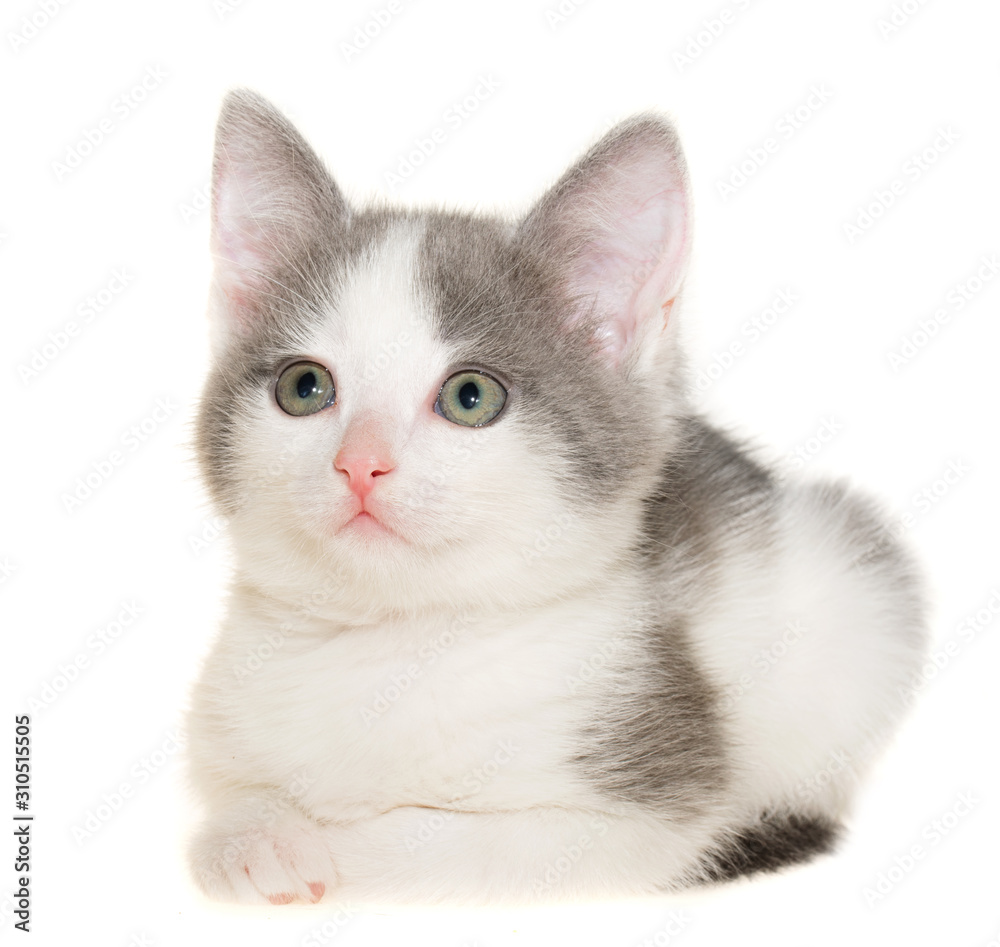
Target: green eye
{"type": "Point", "coordinates": [471, 398]}
{"type": "Point", "coordinates": [304, 388]}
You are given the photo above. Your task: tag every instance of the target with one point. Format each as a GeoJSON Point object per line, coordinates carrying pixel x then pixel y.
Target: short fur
{"type": "Point", "coordinates": [529, 679]}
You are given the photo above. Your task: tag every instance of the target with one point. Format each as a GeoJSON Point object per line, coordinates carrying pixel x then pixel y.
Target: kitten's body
{"type": "Point", "coordinates": [590, 648]}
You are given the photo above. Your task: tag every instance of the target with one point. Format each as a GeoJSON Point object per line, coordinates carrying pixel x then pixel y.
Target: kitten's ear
{"type": "Point", "coordinates": [616, 226]}
{"type": "Point", "coordinates": [273, 204]}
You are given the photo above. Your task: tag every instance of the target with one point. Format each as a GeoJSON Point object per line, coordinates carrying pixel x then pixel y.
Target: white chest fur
{"type": "Point", "coordinates": [472, 714]}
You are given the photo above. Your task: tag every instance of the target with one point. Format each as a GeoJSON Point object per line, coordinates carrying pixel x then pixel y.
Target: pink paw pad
{"type": "Point", "coordinates": [318, 889]}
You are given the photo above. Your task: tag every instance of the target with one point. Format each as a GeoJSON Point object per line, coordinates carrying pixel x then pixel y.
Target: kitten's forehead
{"type": "Point", "coordinates": [417, 294]}
{"type": "Point", "coordinates": [382, 337]}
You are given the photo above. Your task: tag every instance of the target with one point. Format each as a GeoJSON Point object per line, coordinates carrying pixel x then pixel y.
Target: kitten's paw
{"type": "Point", "coordinates": [278, 861]}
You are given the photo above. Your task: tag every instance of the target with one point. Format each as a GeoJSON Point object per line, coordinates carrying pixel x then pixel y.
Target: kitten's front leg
{"type": "Point", "coordinates": [425, 855]}
{"type": "Point", "coordinates": [261, 851]}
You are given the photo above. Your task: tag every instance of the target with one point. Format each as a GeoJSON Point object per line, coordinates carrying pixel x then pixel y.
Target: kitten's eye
{"type": "Point", "coordinates": [471, 398]}
{"type": "Point", "coordinates": [304, 388]}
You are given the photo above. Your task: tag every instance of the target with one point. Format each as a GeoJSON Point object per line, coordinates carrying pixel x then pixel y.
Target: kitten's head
{"type": "Point", "coordinates": [413, 410]}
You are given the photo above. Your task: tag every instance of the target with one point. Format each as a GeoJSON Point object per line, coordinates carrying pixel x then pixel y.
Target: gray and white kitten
{"type": "Point", "coordinates": [509, 620]}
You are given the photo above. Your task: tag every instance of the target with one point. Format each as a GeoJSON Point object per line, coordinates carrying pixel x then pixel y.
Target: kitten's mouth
{"type": "Point", "coordinates": [364, 523]}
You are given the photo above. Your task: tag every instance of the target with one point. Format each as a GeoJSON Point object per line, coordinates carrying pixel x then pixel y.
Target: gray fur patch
{"type": "Point", "coordinates": [776, 841]}
{"type": "Point", "coordinates": [662, 745]}
{"type": "Point", "coordinates": [877, 552]}
{"type": "Point", "coordinates": [710, 492]}
{"type": "Point", "coordinates": [658, 743]}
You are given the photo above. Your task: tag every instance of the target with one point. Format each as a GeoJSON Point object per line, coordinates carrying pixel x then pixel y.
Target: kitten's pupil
{"type": "Point", "coordinates": [306, 385]}
{"type": "Point", "coordinates": [468, 394]}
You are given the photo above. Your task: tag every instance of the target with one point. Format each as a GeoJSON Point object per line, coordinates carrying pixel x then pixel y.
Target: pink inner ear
{"type": "Point", "coordinates": [245, 235]}
{"type": "Point", "coordinates": [632, 266]}
{"type": "Point", "coordinates": [617, 222]}
{"type": "Point", "coordinates": [235, 285]}
{"type": "Point", "coordinates": [272, 200]}
{"type": "Point", "coordinates": [240, 215]}
{"type": "Point", "coordinates": [239, 272]}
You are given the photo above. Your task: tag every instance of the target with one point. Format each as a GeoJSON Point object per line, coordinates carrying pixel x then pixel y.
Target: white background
{"type": "Point", "coordinates": [134, 203]}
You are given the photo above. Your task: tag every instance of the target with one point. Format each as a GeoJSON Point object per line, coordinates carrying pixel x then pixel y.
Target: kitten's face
{"type": "Point", "coordinates": [416, 410]}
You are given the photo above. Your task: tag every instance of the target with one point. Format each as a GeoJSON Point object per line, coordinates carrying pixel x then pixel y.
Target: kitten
{"type": "Point", "coordinates": [509, 620]}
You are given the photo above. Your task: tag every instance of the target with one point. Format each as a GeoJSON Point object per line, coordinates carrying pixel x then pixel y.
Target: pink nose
{"type": "Point", "coordinates": [362, 467]}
